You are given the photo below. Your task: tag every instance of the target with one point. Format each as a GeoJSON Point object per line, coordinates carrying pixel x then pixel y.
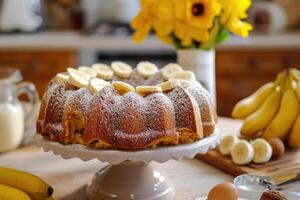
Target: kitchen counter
{"type": "Point", "coordinates": [69, 177]}
{"type": "Point", "coordinates": [76, 41]}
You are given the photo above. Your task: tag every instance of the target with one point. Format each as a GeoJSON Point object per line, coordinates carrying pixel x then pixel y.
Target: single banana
{"type": "Point", "coordinates": [227, 143]}
{"type": "Point", "coordinates": [121, 69]}
{"type": "Point", "coordinates": [242, 152]}
{"type": "Point", "coordinates": [170, 69]}
{"type": "Point", "coordinates": [285, 118]}
{"type": "Point", "coordinates": [122, 87]}
{"type": "Point", "coordinates": [261, 118]}
{"type": "Point", "coordinates": [34, 186]}
{"type": "Point", "coordinates": [294, 136]}
{"type": "Point", "coordinates": [262, 151]}
{"type": "Point", "coordinates": [297, 89]}
{"type": "Point", "coordinates": [11, 193]}
{"type": "Point", "coordinates": [96, 84]}
{"type": "Point", "coordinates": [145, 90]}
{"type": "Point", "coordinates": [146, 69]}
{"type": "Point", "coordinates": [250, 104]}
{"type": "Point", "coordinates": [169, 85]}
{"type": "Point", "coordinates": [103, 71]}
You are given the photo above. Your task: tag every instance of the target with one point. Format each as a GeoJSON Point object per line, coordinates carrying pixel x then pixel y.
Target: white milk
{"type": "Point", "coordinates": [11, 126]}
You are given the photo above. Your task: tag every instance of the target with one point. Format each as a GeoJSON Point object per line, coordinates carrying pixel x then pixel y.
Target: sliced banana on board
{"type": "Point", "coordinates": [169, 85]}
{"type": "Point", "coordinates": [78, 78]}
{"type": "Point", "coordinates": [96, 84]}
{"type": "Point", "coordinates": [242, 152]}
{"type": "Point", "coordinates": [121, 69]}
{"type": "Point", "coordinates": [262, 150]}
{"type": "Point", "coordinates": [103, 71]}
{"type": "Point", "coordinates": [122, 87]}
{"type": "Point", "coordinates": [88, 70]}
{"type": "Point", "coordinates": [62, 77]}
{"type": "Point", "coordinates": [185, 75]}
{"type": "Point", "coordinates": [170, 69]}
{"type": "Point", "coordinates": [146, 69]}
{"type": "Point", "coordinates": [145, 90]}
{"type": "Point", "coordinates": [227, 144]}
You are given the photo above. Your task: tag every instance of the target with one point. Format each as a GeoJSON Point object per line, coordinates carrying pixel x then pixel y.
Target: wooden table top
{"type": "Point", "coordinates": [190, 178]}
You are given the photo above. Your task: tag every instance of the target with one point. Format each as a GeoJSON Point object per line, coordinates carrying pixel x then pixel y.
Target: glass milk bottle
{"type": "Point", "coordinates": [13, 118]}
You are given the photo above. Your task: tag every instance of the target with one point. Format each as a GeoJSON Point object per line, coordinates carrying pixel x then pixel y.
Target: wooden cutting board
{"type": "Point", "coordinates": [289, 162]}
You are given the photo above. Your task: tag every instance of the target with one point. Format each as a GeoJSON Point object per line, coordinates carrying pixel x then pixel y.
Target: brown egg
{"type": "Point", "coordinates": [223, 191]}
{"type": "Point", "coordinates": [277, 147]}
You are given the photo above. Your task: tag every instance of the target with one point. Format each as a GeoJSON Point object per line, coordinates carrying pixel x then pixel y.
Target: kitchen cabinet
{"type": "Point", "coordinates": [241, 72]}
{"type": "Point", "coordinates": [38, 66]}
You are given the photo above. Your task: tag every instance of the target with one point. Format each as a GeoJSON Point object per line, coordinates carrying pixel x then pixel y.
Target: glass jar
{"type": "Point", "coordinates": [14, 118]}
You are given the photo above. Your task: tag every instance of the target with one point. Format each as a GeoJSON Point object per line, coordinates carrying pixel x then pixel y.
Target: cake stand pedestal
{"type": "Point", "coordinates": [129, 176]}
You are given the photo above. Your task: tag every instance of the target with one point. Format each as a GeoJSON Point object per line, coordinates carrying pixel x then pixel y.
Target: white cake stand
{"type": "Point", "coordinates": [129, 177]}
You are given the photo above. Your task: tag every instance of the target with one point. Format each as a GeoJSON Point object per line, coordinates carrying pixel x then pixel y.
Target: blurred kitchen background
{"type": "Point", "coordinates": [42, 38]}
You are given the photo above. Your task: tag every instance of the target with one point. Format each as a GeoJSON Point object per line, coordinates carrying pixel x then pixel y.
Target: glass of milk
{"type": "Point", "coordinates": [13, 118]}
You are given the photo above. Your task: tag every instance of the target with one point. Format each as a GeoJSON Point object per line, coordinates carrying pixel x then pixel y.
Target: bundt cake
{"type": "Point", "coordinates": [117, 107]}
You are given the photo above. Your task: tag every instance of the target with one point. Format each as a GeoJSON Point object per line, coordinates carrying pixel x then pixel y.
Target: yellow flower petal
{"type": "Point", "coordinates": [165, 39]}
{"type": "Point", "coordinates": [239, 27]}
{"type": "Point", "coordinates": [186, 41]}
{"type": "Point", "coordinates": [199, 35]}
{"type": "Point", "coordinates": [163, 27]}
{"type": "Point", "coordinates": [233, 12]}
{"type": "Point", "coordinates": [141, 33]}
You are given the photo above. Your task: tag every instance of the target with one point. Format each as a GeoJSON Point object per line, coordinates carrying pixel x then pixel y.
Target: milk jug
{"type": "Point", "coordinates": [13, 118]}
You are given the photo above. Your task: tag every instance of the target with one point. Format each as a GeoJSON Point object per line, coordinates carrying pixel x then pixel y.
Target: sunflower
{"type": "Point", "coordinates": [233, 13]}
{"type": "Point", "coordinates": [155, 15]}
{"type": "Point", "coordinates": [194, 18]}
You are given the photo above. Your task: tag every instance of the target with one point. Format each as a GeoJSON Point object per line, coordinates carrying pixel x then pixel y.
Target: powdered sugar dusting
{"type": "Point", "coordinates": [135, 79]}
{"type": "Point", "coordinates": [203, 99]}
{"type": "Point", "coordinates": [55, 107]}
{"type": "Point", "coordinates": [156, 79]}
{"type": "Point", "coordinates": [183, 108]}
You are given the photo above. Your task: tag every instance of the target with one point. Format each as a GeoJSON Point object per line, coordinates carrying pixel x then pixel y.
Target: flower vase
{"type": "Point", "coordinates": [202, 63]}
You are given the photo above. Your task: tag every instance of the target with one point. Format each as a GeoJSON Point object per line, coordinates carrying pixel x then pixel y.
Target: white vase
{"type": "Point", "coordinates": [202, 63]}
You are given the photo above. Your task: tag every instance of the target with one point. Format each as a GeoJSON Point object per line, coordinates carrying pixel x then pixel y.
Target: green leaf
{"type": "Point", "coordinates": [223, 35]}
{"type": "Point", "coordinates": [211, 43]}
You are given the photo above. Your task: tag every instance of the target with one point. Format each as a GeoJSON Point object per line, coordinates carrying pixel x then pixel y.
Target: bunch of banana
{"type": "Point", "coordinates": [19, 185]}
{"type": "Point", "coordinates": [273, 111]}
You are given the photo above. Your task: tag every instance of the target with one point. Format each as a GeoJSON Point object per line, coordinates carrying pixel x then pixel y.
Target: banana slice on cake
{"type": "Point", "coordinates": [169, 85]}
{"type": "Point", "coordinates": [103, 71]}
{"type": "Point", "coordinates": [227, 144]}
{"type": "Point", "coordinates": [170, 69]}
{"type": "Point", "coordinates": [78, 78]}
{"type": "Point", "coordinates": [185, 75]}
{"type": "Point", "coordinates": [121, 69]}
{"type": "Point", "coordinates": [62, 77]}
{"type": "Point", "coordinates": [122, 87]}
{"type": "Point", "coordinates": [242, 152]}
{"type": "Point", "coordinates": [145, 90]}
{"type": "Point", "coordinates": [96, 84]}
{"type": "Point", "coordinates": [262, 150]}
{"type": "Point", "coordinates": [88, 70]}
{"type": "Point", "coordinates": [146, 69]}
